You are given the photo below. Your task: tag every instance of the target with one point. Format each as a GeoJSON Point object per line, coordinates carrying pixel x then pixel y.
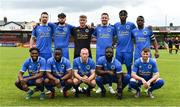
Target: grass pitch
{"type": "Point", "coordinates": [11, 60]}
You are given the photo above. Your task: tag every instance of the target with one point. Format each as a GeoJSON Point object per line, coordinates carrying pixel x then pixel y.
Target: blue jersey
{"type": "Point", "coordinates": [83, 68]}
{"type": "Point", "coordinates": [58, 69]}
{"type": "Point", "coordinates": [115, 65]}
{"type": "Point", "coordinates": [143, 39]}
{"type": "Point", "coordinates": [124, 35]}
{"type": "Point", "coordinates": [34, 67]}
{"type": "Point", "coordinates": [104, 36]}
{"type": "Point", "coordinates": [43, 35]}
{"type": "Point", "coordinates": [145, 69]}
{"type": "Point", "coordinates": [61, 34]}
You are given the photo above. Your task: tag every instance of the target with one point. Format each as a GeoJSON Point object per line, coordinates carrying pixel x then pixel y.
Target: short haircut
{"type": "Point", "coordinates": [109, 47]}
{"type": "Point", "coordinates": [44, 13]}
{"type": "Point", "coordinates": [58, 49]}
{"type": "Point", "coordinates": [145, 50]}
{"type": "Point", "coordinates": [140, 17]}
{"type": "Point", "coordinates": [105, 14]}
{"type": "Point", "coordinates": [83, 16]}
{"type": "Point", "coordinates": [123, 11]}
{"type": "Point", "coordinates": [34, 48]}
{"type": "Point", "coordinates": [61, 15]}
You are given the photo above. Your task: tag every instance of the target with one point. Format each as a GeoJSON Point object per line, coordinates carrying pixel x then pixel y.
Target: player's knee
{"type": "Point", "coordinates": [17, 84]}
{"type": "Point", "coordinates": [160, 82]}
{"type": "Point", "coordinates": [132, 80]}
{"type": "Point", "coordinates": [93, 83]}
{"type": "Point", "coordinates": [98, 79]}
{"type": "Point", "coordinates": [76, 81]}
{"type": "Point", "coordinates": [46, 81]}
{"type": "Point", "coordinates": [70, 81]}
{"type": "Point", "coordinates": [39, 81]}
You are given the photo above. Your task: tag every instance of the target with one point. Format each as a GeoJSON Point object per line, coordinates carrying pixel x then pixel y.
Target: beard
{"type": "Point", "coordinates": [61, 23]}
{"type": "Point", "coordinates": [109, 59]}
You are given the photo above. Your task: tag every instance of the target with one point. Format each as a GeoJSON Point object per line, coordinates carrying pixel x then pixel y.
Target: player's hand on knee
{"type": "Point", "coordinates": [110, 72]}
{"type": "Point", "coordinates": [57, 81]}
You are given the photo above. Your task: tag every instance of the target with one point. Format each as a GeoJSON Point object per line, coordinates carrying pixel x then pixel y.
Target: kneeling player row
{"type": "Point", "coordinates": [107, 70]}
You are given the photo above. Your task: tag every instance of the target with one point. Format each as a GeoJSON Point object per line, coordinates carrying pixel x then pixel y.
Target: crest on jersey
{"type": "Point", "coordinates": [88, 67]}
{"type": "Point", "coordinates": [149, 66]}
{"type": "Point", "coordinates": [145, 32]}
{"type": "Point", "coordinates": [62, 66]}
{"type": "Point", "coordinates": [128, 27]}
{"type": "Point", "coordinates": [140, 67]}
{"type": "Point", "coordinates": [48, 28]}
{"type": "Point", "coordinates": [86, 30]}
{"type": "Point", "coordinates": [112, 67]}
{"type": "Point", "coordinates": [109, 29]}
{"type": "Point", "coordinates": [38, 66]}
{"type": "Point", "coordinates": [65, 29]}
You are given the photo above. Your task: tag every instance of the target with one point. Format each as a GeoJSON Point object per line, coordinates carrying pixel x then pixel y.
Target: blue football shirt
{"type": "Point", "coordinates": [115, 65]}
{"type": "Point", "coordinates": [145, 69]}
{"type": "Point", "coordinates": [143, 39]}
{"type": "Point", "coordinates": [58, 69]}
{"type": "Point", "coordinates": [124, 36]}
{"type": "Point", "coordinates": [34, 67]}
{"type": "Point", "coordinates": [83, 68]}
{"type": "Point", "coordinates": [43, 35]}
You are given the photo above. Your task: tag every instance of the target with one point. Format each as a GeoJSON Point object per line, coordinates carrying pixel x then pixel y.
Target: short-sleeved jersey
{"type": "Point", "coordinates": [145, 69]}
{"type": "Point", "coordinates": [83, 68]}
{"type": "Point", "coordinates": [104, 36]}
{"type": "Point", "coordinates": [124, 36]}
{"type": "Point", "coordinates": [143, 39]}
{"type": "Point", "coordinates": [34, 67]}
{"type": "Point", "coordinates": [61, 34]}
{"type": "Point", "coordinates": [43, 35]}
{"type": "Point", "coordinates": [82, 39]}
{"type": "Point", "coordinates": [58, 69]}
{"type": "Point", "coordinates": [114, 66]}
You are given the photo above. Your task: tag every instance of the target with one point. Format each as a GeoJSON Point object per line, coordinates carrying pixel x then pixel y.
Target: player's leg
{"type": "Point", "coordinates": [91, 85]}
{"type": "Point", "coordinates": [45, 55]}
{"type": "Point", "coordinates": [65, 52]}
{"type": "Point", "coordinates": [77, 83]}
{"type": "Point", "coordinates": [128, 58]}
{"type": "Point", "coordinates": [136, 85]}
{"type": "Point", "coordinates": [111, 90]}
{"type": "Point", "coordinates": [40, 86]}
{"type": "Point", "coordinates": [67, 85]}
{"type": "Point", "coordinates": [49, 84]}
{"type": "Point", "coordinates": [154, 86]}
{"type": "Point", "coordinates": [18, 84]}
{"type": "Point", "coordinates": [100, 81]}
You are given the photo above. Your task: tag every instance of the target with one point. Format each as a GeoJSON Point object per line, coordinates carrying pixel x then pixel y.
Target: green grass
{"type": "Point", "coordinates": [12, 58]}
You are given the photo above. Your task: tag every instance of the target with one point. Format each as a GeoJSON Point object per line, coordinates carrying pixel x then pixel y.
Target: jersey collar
{"type": "Point", "coordinates": [44, 24]}
{"type": "Point", "coordinates": [60, 61]}
{"type": "Point", "coordinates": [36, 61]}
{"type": "Point", "coordinates": [143, 61]}
{"type": "Point", "coordinates": [82, 61]}
{"type": "Point", "coordinates": [112, 60]}
{"type": "Point", "coordinates": [105, 25]}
